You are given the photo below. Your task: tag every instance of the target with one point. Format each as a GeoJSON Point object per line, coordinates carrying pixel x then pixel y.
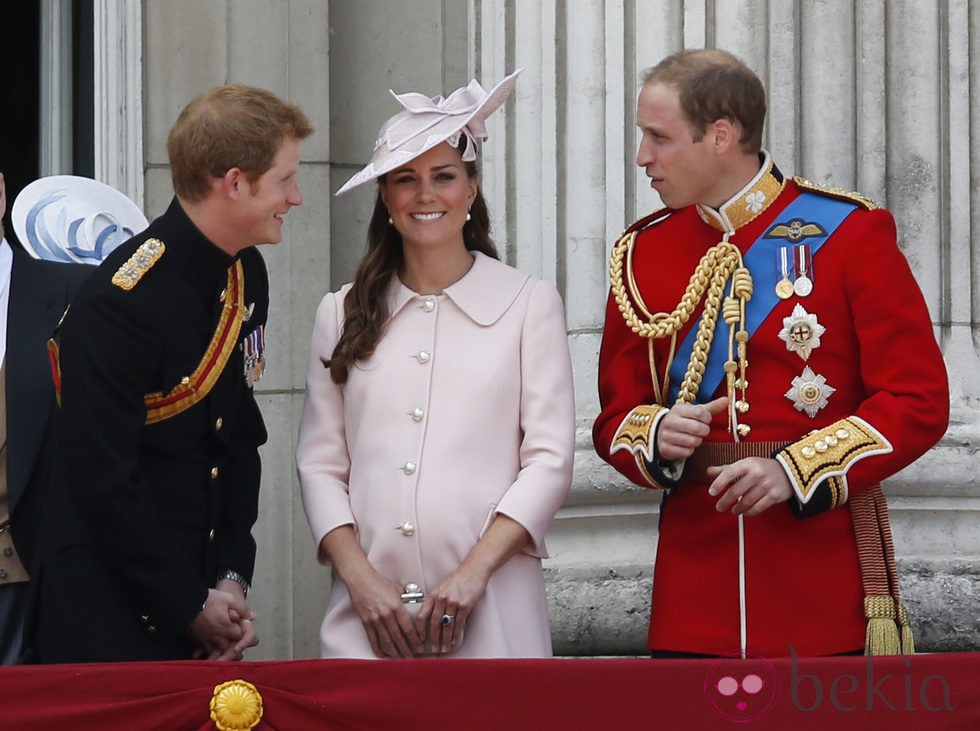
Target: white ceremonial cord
{"type": "Point", "coordinates": [743, 631]}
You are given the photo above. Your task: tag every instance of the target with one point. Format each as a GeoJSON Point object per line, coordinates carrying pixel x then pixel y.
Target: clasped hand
{"type": "Point", "coordinates": [393, 632]}
{"type": "Point", "coordinates": [224, 628]}
{"type": "Point", "coordinates": [749, 486]}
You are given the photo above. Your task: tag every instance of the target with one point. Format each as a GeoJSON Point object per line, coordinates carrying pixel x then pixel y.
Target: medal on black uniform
{"type": "Point", "coordinates": [254, 347]}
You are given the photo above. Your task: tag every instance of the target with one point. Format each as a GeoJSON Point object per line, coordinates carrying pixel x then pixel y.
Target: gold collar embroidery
{"type": "Point", "coordinates": [749, 202]}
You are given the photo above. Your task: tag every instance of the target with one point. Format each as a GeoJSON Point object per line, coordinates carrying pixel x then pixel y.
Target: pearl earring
{"type": "Point", "coordinates": [468, 216]}
{"type": "Point", "coordinates": [390, 222]}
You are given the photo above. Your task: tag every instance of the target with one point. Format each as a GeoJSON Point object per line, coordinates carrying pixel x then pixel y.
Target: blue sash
{"type": "Point", "coordinates": [760, 259]}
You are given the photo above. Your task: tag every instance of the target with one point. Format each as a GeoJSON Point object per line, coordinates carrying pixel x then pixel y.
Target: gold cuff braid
{"type": "Point", "coordinates": [635, 433]}
{"type": "Point", "coordinates": [829, 453]}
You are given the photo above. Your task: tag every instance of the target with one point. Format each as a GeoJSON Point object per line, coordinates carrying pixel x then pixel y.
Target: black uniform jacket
{"type": "Point", "coordinates": [148, 514]}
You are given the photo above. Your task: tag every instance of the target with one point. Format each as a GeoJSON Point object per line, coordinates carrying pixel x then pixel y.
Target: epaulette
{"type": "Point", "coordinates": [839, 193]}
{"type": "Point", "coordinates": [142, 260]}
{"type": "Point", "coordinates": [649, 220]}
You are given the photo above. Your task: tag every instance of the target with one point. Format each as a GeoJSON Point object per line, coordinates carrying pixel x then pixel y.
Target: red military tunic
{"type": "Point", "coordinates": [874, 361]}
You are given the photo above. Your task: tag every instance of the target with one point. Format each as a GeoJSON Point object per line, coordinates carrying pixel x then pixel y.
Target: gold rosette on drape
{"type": "Point", "coordinates": [236, 706]}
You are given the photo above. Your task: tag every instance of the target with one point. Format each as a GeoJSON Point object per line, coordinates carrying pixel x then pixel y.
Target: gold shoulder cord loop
{"type": "Point", "coordinates": [721, 262]}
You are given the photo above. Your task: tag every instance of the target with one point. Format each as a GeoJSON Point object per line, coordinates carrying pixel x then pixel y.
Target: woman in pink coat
{"type": "Point", "coordinates": [437, 437]}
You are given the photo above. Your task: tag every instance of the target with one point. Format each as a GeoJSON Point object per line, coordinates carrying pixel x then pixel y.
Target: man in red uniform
{"type": "Point", "coordinates": [767, 359]}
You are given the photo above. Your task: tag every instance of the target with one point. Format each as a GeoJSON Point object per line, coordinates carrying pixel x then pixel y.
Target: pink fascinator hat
{"type": "Point", "coordinates": [429, 121]}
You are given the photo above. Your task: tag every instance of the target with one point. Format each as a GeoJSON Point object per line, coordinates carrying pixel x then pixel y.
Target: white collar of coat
{"type": "Point", "coordinates": [484, 293]}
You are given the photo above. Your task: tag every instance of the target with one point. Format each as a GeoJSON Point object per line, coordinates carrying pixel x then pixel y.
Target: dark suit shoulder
{"type": "Point", "coordinates": [51, 272]}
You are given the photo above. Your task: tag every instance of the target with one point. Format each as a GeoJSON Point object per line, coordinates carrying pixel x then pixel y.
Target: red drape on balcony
{"type": "Point", "coordinates": [920, 692]}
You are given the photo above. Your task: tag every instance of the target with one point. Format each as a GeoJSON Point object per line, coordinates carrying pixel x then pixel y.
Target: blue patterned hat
{"type": "Point", "coordinates": [73, 219]}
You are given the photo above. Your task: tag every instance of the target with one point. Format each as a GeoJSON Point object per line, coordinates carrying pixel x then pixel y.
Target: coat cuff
{"type": "Point", "coordinates": [817, 465]}
{"type": "Point", "coordinates": [637, 434]}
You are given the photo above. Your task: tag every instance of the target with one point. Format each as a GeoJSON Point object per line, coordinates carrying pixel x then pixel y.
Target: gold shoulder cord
{"type": "Point", "coordinates": [721, 262]}
{"type": "Point", "coordinates": [197, 385]}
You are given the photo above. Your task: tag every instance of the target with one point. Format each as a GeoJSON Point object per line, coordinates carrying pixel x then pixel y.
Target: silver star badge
{"type": "Point", "coordinates": [801, 332]}
{"type": "Point", "coordinates": [809, 392]}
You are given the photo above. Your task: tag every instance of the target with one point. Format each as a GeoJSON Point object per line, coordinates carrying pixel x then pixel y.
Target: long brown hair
{"type": "Point", "coordinates": [366, 304]}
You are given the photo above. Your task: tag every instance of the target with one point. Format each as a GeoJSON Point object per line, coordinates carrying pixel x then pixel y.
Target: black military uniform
{"type": "Point", "coordinates": [160, 434]}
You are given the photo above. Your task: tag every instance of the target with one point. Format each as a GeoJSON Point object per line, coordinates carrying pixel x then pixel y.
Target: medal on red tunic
{"type": "Point", "coordinates": [784, 287]}
{"type": "Point", "coordinates": [809, 392]}
{"type": "Point", "coordinates": [801, 332]}
{"type": "Point", "coordinates": [804, 268]}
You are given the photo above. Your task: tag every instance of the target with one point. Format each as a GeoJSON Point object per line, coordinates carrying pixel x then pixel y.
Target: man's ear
{"type": "Point", "coordinates": [232, 182]}
{"type": "Point", "coordinates": [724, 134]}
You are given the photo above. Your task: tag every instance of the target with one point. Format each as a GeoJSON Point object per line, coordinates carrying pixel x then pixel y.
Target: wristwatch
{"type": "Point", "coordinates": [237, 578]}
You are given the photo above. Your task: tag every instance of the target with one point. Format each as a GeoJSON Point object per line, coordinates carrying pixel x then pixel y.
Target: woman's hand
{"type": "Point", "coordinates": [388, 624]}
{"type": "Point", "coordinates": [459, 593]}
{"type": "Point", "coordinates": [454, 599]}
{"type": "Point", "coordinates": [376, 599]}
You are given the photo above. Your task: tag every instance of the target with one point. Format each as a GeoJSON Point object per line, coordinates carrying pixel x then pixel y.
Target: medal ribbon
{"type": "Point", "coordinates": [829, 214]}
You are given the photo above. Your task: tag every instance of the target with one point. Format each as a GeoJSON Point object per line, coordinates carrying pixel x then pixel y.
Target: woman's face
{"type": "Point", "coordinates": [428, 198]}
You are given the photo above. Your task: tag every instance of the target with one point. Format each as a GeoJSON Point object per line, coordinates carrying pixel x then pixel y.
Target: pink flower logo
{"type": "Point", "coordinates": [741, 689]}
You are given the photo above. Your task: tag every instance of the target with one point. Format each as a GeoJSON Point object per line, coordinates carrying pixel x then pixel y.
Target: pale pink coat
{"type": "Point", "coordinates": [464, 411]}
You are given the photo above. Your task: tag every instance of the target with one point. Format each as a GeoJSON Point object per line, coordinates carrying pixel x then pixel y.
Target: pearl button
{"type": "Point", "coordinates": [429, 305]}
{"type": "Point", "coordinates": [416, 414]}
{"type": "Point", "coordinates": [211, 535]}
{"type": "Point", "coordinates": [214, 473]}
{"type": "Point", "coordinates": [407, 528]}
{"type": "Point", "coordinates": [218, 423]}
{"type": "Point", "coordinates": [409, 468]}
{"type": "Point", "coordinates": [423, 356]}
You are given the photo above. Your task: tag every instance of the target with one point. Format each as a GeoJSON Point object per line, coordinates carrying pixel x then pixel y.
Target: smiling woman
{"type": "Point", "coordinates": [428, 203]}
{"type": "Point", "coordinates": [433, 347]}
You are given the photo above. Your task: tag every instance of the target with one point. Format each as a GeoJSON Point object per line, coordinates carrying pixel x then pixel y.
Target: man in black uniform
{"type": "Point", "coordinates": [148, 547]}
